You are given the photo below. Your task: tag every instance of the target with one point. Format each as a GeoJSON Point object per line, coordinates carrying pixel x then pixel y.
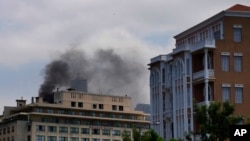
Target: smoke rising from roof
{"type": "Point", "coordinates": [107, 72]}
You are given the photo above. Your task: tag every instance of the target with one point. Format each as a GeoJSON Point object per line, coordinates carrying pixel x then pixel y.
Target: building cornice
{"type": "Point", "coordinates": [211, 20]}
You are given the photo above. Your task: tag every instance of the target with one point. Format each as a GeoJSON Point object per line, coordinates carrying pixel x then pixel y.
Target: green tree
{"type": "Point", "coordinates": [149, 135]}
{"type": "Point", "coordinates": [214, 120]}
{"type": "Point", "coordinates": [175, 139]}
{"type": "Point", "coordinates": [126, 136]}
{"type": "Point", "coordinates": [136, 134]}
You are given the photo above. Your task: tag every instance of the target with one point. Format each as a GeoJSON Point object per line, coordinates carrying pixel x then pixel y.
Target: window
{"type": "Point", "coordinates": [117, 124]}
{"type": "Point", "coordinates": [226, 93]}
{"type": "Point", "coordinates": [28, 138]}
{"type": "Point", "coordinates": [163, 75]}
{"type": "Point", "coordinates": [82, 113]}
{"type": "Point", "coordinates": [114, 107]}
{"type": "Point", "coordinates": [120, 108]}
{"type": "Point", "coordinates": [72, 112]}
{"type": "Point", "coordinates": [95, 139]}
{"type": "Point", "coordinates": [80, 104]}
{"type": "Point", "coordinates": [237, 63]}
{"type": "Point", "coordinates": [63, 138]}
{"type": "Point", "coordinates": [105, 132]}
{"type": "Point", "coordinates": [51, 128]}
{"type": "Point", "coordinates": [96, 122]}
{"type": "Point", "coordinates": [238, 95]}
{"type": "Point", "coordinates": [73, 104]}
{"type": "Point", "coordinates": [74, 130]}
{"type": "Point", "coordinates": [105, 139]}
{"type": "Point", "coordinates": [12, 129]}
{"type": "Point", "coordinates": [60, 111]}
{"type": "Point", "coordinates": [45, 120]}
{"type": "Point", "coordinates": [85, 139]}
{"type": "Point", "coordinates": [40, 128]}
{"type": "Point", "coordinates": [116, 132]}
{"type": "Point", "coordinates": [94, 106]}
{"type": "Point", "coordinates": [225, 62]}
{"type": "Point", "coordinates": [63, 129]}
{"type": "Point", "coordinates": [40, 110]}
{"type": "Point", "coordinates": [120, 99]}
{"type": "Point", "coordinates": [29, 128]}
{"type": "Point", "coordinates": [96, 131]}
{"type": "Point", "coordinates": [237, 33]}
{"type": "Point", "coordinates": [92, 114]}
{"type": "Point", "coordinates": [85, 131]}
{"type": "Point", "coordinates": [217, 35]}
{"type": "Point", "coordinates": [50, 110]}
{"type": "Point", "coordinates": [187, 66]}
{"type": "Point", "coordinates": [51, 138]}
{"type": "Point", "coordinates": [40, 138]}
{"type": "Point", "coordinates": [74, 139]}
{"type": "Point", "coordinates": [100, 106]}
{"type": "Point", "coordinates": [76, 121]}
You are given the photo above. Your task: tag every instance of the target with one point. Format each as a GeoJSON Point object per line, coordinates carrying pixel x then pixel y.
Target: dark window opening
{"type": "Point", "coordinates": [120, 108]}
{"type": "Point", "coordinates": [100, 106]}
{"type": "Point", "coordinates": [73, 104]}
{"type": "Point", "coordinates": [80, 104]}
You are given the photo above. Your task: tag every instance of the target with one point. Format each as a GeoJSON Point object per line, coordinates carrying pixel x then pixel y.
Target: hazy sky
{"type": "Point", "coordinates": [32, 33]}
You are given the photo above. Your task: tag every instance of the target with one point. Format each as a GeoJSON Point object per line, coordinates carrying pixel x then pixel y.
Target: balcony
{"type": "Point", "coordinates": [161, 58]}
{"type": "Point", "coordinates": [203, 44]}
{"type": "Point", "coordinates": [204, 103]}
{"type": "Point", "coordinates": [181, 48]}
{"type": "Point", "coordinates": [201, 74]}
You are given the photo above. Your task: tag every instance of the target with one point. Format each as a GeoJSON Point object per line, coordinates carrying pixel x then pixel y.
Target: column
{"type": "Point", "coordinates": [206, 75]}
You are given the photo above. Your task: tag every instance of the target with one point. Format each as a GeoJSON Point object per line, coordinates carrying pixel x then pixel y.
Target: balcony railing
{"type": "Point", "coordinates": [203, 44]}
{"type": "Point", "coordinates": [201, 74]}
{"type": "Point", "coordinates": [181, 48]}
{"type": "Point", "coordinates": [204, 103]}
{"type": "Point", "coordinates": [161, 58]}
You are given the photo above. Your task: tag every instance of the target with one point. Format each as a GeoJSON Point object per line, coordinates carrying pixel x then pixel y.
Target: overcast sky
{"type": "Point", "coordinates": [32, 33]}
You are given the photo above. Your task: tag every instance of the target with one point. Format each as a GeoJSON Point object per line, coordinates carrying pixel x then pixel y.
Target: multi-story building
{"type": "Point", "coordinates": [209, 63]}
{"type": "Point", "coordinates": [74, 116]}
{"type": "Point", "coordinates": [146, 108]}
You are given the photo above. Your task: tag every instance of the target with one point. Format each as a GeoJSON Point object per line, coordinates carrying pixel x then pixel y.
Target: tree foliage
{"type": "Point", "coordinates": [214, 120]}
{"type": "Point", "coordinates": [126, 136]}
{"type": "Point", "coordinates": [149, 135]}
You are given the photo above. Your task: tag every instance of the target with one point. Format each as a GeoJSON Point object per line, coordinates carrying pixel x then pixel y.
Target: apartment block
{"type": "Point", "coordinates": [73, 116]}
{"type": "Point", "coordinates": [210, 62]}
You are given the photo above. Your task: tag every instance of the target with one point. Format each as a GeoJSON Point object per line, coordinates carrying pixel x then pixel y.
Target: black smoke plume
{"type": "Point", "coordinates": [56, 74]}
{"type": "Point", "coordinates": [107, 72]}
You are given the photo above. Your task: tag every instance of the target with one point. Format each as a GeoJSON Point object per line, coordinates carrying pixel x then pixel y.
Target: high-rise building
{"type": "Point", "coordinates": [73, 116]}
{"type": "Point", "coordinates": [79, 84]}
{"type": "Point", "coordinates": [146, 108]}
{"type": "Point", "coordinates": [210, 62]}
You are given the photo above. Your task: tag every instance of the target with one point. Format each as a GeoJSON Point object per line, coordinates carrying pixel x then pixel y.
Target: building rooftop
{"type": "Point", "coordinates": [236, 10]}
{"type": "Point", "coordinates": [239, 7]}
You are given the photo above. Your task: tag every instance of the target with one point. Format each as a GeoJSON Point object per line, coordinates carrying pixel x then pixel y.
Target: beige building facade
{"type": "Point", "coordinates": [74, 116]}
